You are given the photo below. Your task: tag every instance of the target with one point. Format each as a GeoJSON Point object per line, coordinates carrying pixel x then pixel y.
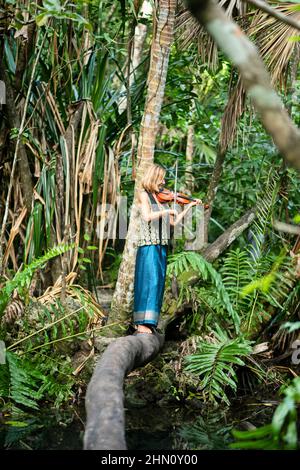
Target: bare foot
{"type": "Point", "coordinates": [144, 329]}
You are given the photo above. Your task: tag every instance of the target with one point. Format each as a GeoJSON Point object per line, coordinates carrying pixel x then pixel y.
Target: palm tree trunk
{"type": "Point", "coordinates": [162, 39]}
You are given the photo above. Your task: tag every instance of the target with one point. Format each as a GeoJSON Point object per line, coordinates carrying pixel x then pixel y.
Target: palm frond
{"type": "Point", "coordinates": [21, 280]}
{"type": "Point", "coordinates": [190, 31]}
{"type": "Point", "coordinates": [232, 112]}
{"type": "Point", "coordinates": [273, 39]}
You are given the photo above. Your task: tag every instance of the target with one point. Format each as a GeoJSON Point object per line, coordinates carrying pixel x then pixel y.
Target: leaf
{"type": "Point", "coordinates": [42, 19]}
{"type": "Point", "coordinates": [213, 363]}
{"type": "Point", "coordinates": [296, 219]}
{"type": "Point", "coordinates": [52, 5]}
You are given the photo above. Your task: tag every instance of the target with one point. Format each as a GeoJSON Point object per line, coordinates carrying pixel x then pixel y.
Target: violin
{"type": "Point", "coordinates": [166, 195]}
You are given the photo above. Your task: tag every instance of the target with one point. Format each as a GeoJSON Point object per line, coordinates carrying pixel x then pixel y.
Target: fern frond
{"type": "Point", "coordinates": [23, 278]}
{"type": "Point", "coordinates": [188, 260]}
{"type": "Point", "coordinates": [22, 382]}
{"type": "Point", "coordinates": [236, 273]}
{"type": "Point", "coordinates": [208, 434]}
{"type": "Point", "coordinates": [213, 362]}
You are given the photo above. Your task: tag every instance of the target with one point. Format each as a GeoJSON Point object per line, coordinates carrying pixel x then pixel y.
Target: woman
{"type": "Point", "coordinates": [152, 243]}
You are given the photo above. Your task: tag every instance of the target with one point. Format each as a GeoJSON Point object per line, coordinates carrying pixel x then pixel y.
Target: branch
{"type": "Point", "coordinates": [255, 77]}
{"type": "Point", "coordinates": [214, 250]}
{"type": "Point", "coordinates": [273, 12]}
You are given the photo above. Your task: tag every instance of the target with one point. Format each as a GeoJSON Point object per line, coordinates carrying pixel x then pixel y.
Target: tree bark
{"type": "Point", "coordinates": [255, 78]}
{"type": "Point", "coordinates": [105, 425]}
{"type": "Point", "coordinates": [161, 43]}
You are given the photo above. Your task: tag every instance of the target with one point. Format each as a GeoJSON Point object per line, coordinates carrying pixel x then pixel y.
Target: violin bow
{"type": "Point", "coordinates": [176, 171]}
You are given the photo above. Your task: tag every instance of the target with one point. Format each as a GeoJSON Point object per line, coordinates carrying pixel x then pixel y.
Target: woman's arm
{"type": "Point", "coordinates": [182, 214]}
{"type": "Point", "coordinates": [146, 211]}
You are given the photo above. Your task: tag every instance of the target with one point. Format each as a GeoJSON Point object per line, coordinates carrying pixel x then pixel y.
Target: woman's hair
{"type": "Point", "coordinates": [154, 174]}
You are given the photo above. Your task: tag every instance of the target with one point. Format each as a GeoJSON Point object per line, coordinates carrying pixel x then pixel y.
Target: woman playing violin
{"type": "Point", "coordinates": [152, 242]}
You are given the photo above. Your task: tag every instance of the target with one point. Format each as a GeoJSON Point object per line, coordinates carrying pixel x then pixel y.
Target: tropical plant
{"type": "Point", "coordinates": [22, 279]}
{"type": "Point", "coordinates": [20, 382]}
{"type": "Point", "coordinates": [214, 363]}
{"type": "Point", "coordinates": [182, 266]}
{"type": "Point", "coordinates": [207, 433]}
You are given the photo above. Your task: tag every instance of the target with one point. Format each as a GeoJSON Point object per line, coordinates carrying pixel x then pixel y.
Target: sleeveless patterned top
{"type": "Point", "coordinates": [154, 232]}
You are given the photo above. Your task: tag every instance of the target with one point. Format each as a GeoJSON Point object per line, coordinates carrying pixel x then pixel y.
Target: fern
{"type": "Point", "coordinates": [253, 282]}
{"type": "Point", "coordinates": [187, 260]}
{"type": "Point", "coordinates": [236, 273]}
{"type": "Point", "coordinates": [266, 205]}
{"type": "Point", "coordinates": [22, 279]}
{"type": "Point", "coordinates": [24, 382]}
{"type": "Point", "coordinates": [206, 434]}
{"type": "Point", "coordinates": [214, 364]}
{"type": "Point", "coordinates": [20, 382]}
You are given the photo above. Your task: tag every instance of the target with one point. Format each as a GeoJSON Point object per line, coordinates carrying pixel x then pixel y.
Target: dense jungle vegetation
{"type": "Point", "coordinates": [85, 85]}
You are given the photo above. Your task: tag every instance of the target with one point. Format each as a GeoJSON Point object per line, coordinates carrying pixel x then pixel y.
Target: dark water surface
{"type": "Point", "coordinates": [147, 428]}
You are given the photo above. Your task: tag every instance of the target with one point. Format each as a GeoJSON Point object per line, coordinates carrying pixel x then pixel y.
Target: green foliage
{"type": "Point", "coordinates": [258, 277]}
{"type": "Point", "coordinates": [185, 261]}
{"type": "Point", "coordinates": [26, 382]}
{"type": "Point", "coordinates": [253, 285]}
{"type": "Point", "coordinates": [236, 273]}
{"type": "Point", "coordinates": [54, 9]}
{"type": "Point", "coordinates": [214, 361]}
{"type": "Point", "coordinates": [206, 434]}
{"type": "Point", "coordinates": [20, 382]}
{"type": "Point", "coordinates": [22, 279]}
{"type": "Point", "coordinates": [282, 432]}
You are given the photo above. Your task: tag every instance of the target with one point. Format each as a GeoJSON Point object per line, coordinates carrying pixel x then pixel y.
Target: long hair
{"type": "Point", "coordinates": [154, 174]}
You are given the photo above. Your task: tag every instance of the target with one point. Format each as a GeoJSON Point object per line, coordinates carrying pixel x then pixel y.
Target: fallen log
{"type": "Point", "coordinates": [105, 424]}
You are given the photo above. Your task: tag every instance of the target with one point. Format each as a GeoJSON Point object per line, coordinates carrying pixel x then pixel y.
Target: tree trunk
{"type": "Point", "coordinates": [105, 425]}
{"type": "Point", "coordinates": [160, 49]}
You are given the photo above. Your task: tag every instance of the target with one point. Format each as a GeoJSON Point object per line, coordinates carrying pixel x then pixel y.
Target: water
{"type": "Point", "coordinates": [147, 428]}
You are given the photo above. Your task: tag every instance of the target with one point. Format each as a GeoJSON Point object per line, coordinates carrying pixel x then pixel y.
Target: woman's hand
{"type": "Point", "coordinates": [198, 201]}
{"type": "Point", "coordinates": [194, 203]}
{"type": "Point", "coordinates": [173, 212]}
